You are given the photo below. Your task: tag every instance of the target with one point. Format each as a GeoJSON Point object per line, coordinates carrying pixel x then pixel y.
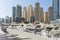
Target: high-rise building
{"type": "Point", "coordinates": [46, 17]}
{"type": "Point", "coordinates": [41, 15]}
{"type": "Point", "coordinates": [18, 13]}
{"type": "Point", "coordinates": [50, 14]}
{"type": "Point", "coordinates": [37, 11]}
{"type": "Point", "coordinates": [14, 13]}
{"type": "Point", "coordinates": [7, 19]}
{"type": "Point", "coordinates": [32, 19]}
{"type": "Point", "coordinates": [29, 12]}
{"type": "Point", "coordinates": [2, 19]}
{"type": "Point", "coordinates": [24, 14]}
{"type": "Point", "coordinates": [55, 10]}
{"type": "Point", "coordinates": [10, 19]}
{"type": "Point", "coordinates": [59, 9]}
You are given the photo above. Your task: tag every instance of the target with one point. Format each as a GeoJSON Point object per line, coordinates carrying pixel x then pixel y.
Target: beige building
{"type": "Point", "coordinates": [29, 12]}
{"type": "Point", "coordinates": [50, 13]}
{"type": "Point", "coordinates": [24, 14]}
{"type": "Point", "coordinates": [41, 15]}
{"type": "Point", "coordinates": [46, 17]}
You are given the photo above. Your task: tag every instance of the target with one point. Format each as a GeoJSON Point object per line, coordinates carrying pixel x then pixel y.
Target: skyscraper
{"type": "Point", "coordinates": [14, 13]}
{"type": "Point", "coordinates": [29, 12]}
{"type": "Point", "coordinates": [18, 13]}
{"type": "Point", "coordinates": [24, 14]}
{"type": "Point", "coordinates": [10, 19]}
{"type": "Point", "coordinates": [41, 15]}
{"type": "Point", "coordinates": [59, 9]}
{"type": "Point", "coordinates": [37, 12]}
{"type": "Point", "coordinates": [50, 14]}
{"type": "Point", "coordinates": [46, 17]}
{"type": "Point", "coordinates": [2, 19]}
{"type": "Point", "coordinates": [6, 19]}
{"type": "Point", "coordinates": [55, 10]}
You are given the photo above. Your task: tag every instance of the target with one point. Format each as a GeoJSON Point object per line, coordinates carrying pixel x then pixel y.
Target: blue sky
{"type": "Point", "coordinates": [6, 5]}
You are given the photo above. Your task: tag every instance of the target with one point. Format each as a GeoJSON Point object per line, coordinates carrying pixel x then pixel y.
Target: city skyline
{"type": "Point", "coordinates": [6, 6]}
{"type": "Point", "coordinates": [29, 13]}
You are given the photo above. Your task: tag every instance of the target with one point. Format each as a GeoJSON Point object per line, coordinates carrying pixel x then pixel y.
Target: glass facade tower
{"type": "Point", "coordinates": [14, 12]}
{"type": "Point", "coordinates": [55, 14]}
